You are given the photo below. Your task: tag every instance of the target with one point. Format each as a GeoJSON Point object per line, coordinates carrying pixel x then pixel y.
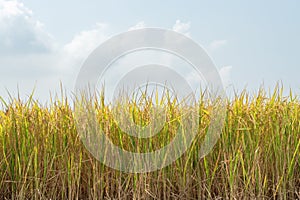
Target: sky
{"type": "Point", "coordinates": [42, 43]}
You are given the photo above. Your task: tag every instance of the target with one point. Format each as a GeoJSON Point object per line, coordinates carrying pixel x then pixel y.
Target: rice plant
{"type": "Point", "coordinates": [257, 155]}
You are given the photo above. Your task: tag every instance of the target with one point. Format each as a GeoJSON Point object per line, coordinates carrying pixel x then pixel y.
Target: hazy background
{"type": "Point", "coordinates": [45, 42]}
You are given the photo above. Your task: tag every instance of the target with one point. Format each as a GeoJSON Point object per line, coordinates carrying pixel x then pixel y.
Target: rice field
{"type": "Point", "coordinates": [256, 157]}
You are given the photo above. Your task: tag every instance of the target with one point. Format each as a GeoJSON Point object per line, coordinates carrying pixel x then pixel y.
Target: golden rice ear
{"type": "Point", "coordinates": [257, 156]}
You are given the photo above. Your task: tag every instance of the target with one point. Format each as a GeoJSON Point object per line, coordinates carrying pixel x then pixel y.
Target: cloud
{"type": "Point", "coordinates": [216, 44]}
{"type": "Point", "coordinates": [20, 33]}
{"type": "Point", "coordinates": [181, 27]}
{"type": "Point", "coordinates": [83, 44]}
{"type": "Point", "coordinates": [225, 73]}
{"type": "Point", "coordinates": [138, 26]}
{"type": "Point", "coordinates": [34, 58]}
{"type": "Point", "coordinates": [11, 8]}
{"type": "Point", "coordinates": [27, 50]}
{"type": "Point", "coordinates": [31, 56]}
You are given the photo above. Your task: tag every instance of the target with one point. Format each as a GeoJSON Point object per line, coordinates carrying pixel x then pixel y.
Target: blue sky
{"type": "Point", "coordinates": [251, 42]}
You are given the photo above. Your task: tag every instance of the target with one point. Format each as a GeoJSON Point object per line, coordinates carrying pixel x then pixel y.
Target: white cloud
{"type": "Point", "coordinates": [83, 44]}
{"type": "Point", "coordinates": [20, 32]}
{"type": "Point", "coordinates": [216, 44]}
{"type": "Point", "coordinates": [138, 26]}
{"type": "Point", "coordinates": [225, 73]}
{"type": "Point", "coordinates": [182, 27]}
{"type": "Point", "coordinates": [179, 26]}
{"type": "Point", "coordinates": [30, 57]}
{"type": "Point", "coordinates": [27, 51]}
{"type": "Point", "coordinates": [12, 8]}
{"type": "Point", "coordinates": [24, 38]}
